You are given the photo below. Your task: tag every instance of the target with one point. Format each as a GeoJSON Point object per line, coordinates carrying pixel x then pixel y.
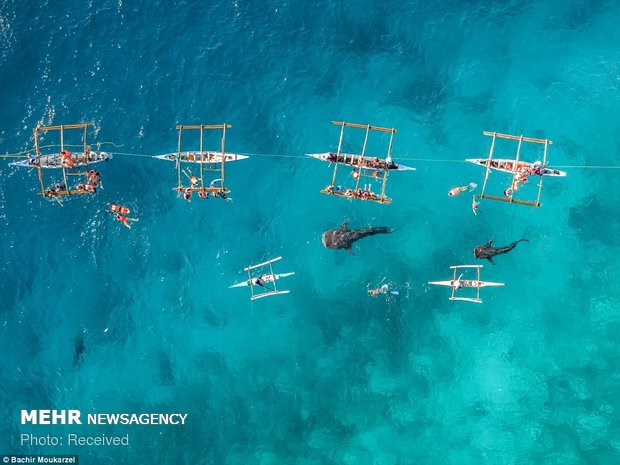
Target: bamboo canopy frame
{"type": "Point", "coordinates": [203, 160]}
{"type": "Point", "coordinates": [359, 164]}
{"type": "Point", "coordinates": [520, 139]}
{"type": "Point", "coordinates": [80, 170]}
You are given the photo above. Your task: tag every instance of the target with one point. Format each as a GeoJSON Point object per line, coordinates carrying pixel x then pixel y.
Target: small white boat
{"type": "Point", "coordinates": [201, 157]}
{"type": "Point", "coordinates": [457, 283]}
{"type": "Point", "coordinates": [356, 160]}
{"type": "Point", "coordinates": [55, 160]}
{"type": "Point", "coordinates": [462, 283]}
{"type": "Point", "coordinates": [257, 284]}
{"type": "Point", "coordinates": [508, 166]}
{"type": "Point", "coordinates": [264, 279]}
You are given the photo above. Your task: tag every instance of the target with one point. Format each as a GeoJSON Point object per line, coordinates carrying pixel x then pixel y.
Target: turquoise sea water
{"type": "Point", "coordinates": [103, 319]}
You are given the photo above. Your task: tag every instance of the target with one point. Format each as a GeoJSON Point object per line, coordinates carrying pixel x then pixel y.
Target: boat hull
{"type": "Point", "coordinates": [353, 160]}
{"type": "Point", "coordinates": [270, 279]}
{"type": "Point", "coordinates": [208, 157]}
{"type": "Point", "coordinates": [476, 284]}
{"type": "Point", "coordinates": [55, 161]}
{"type": "Point", "coordinates": [507, 166]}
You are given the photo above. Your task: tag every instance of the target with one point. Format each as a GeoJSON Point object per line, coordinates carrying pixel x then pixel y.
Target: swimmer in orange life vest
{"type": "Point", "coordinates": [459, 190]}
{"type": "Point", "coordinates": [124, 219]}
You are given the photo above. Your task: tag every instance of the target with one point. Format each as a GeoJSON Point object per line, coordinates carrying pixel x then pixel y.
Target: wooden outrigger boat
{"type": "Point", "coordinates": [72, 165]}
{"type": "Point", "coordinates": [457, 283]}
{"type": "Point", "coordinates": [263, 281]}
{"type": "Point", "coordinates": [372, 170]}
{"type": "Point", "coordinates": [358, 160]}
{"type": "Point", "coordinates": [211, 164]}
{"type": "Point", "coordinates": [200, 157]}
{"type": "Point", "coordinates": [519, 169]}
{"type": "Point", "coordinates": [55, 160]}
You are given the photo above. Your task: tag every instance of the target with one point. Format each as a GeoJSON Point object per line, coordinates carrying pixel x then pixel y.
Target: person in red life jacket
{"type": "Point", "coordinates": [66, 160]}
{"type": "Point", "coordinates": [124, 219]}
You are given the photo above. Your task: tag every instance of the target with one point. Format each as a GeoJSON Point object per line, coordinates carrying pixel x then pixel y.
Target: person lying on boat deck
{"type": "Point", "coordinates": [192, 179]}
{"type": "Point", "coordinates": [187, 194]}
{"type": "Point", "coordinates": [260, 281]}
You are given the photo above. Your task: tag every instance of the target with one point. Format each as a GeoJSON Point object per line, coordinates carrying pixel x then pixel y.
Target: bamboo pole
{"type": "Point", "coordinates": [62, 144]}
{"type": "Point", "coordinates": [509, 136]}
{"type": "Point", "coordinates": [541, 178]}
{"type": "Point", "coordinates": [337, 155]}
{"type": "Point", "coordinates": [180, 128]}
{"type": "Point", "coordinates": [223, 127]}
{"type": "Point", "coordinates": [503, 199]}
{"type": "Point", "coordinates": [202, 182]}
{"type": "Point", "coordinates": [488, 165]}
{"type": "Point", "coordinates": [363, 126]}
{"type": "Point", "coordinates": [38, 159]}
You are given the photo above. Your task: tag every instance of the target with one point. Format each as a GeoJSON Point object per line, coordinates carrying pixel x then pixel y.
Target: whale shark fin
{"type": "Point", "coordinates": [350, 250]}
{"type": "Point", "coordinates": [489, 243]}
{"type": "Point", "coordinates": [491, 260]}
{"type": "Point", "coordinates": [345, 225]}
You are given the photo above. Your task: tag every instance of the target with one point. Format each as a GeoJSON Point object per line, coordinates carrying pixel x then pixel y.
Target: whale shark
{"type": "Point", "coordinates": [343, 237]}
{"type": "Point", "coordinates": [488, 251]}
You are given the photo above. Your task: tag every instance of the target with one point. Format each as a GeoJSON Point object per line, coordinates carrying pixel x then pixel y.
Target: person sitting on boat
{"type": "Point", "coordinates": [187, 194]}
{"type": "Point", "coordinates": [66, 160]}
{"type": "Point", "coordinates": [537, 168]}
{"type": "Point", "coordinates": [124, 220]}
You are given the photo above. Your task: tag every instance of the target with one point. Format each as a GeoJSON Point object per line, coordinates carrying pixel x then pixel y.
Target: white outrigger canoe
{"type": "Point", "coordinates": [457, 283]}
{"type": "Point", "coordinates": [508, 166]}
{"type": "Point", "coordinates": [204, 157]}
{"type": "Point", "coordinates": [465, 283]}
{"type": "Point", "coordinates": [55, 160]}
{"type": "Point", "coordinates": [354, 160]}
{"type": "Point", "coordinates": [265, 279]}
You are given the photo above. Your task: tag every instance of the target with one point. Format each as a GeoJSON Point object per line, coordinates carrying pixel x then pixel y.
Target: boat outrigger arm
{"type": "Point", "coordinates": [518, 168]}
{"type": "Point", "coordinates": [208, 161]}
{"type": "Point", "coordinates": [265, 281]}
{"type": "Point", "coordinates": [459, 283]}
{"type": "Point", "coordinates": [372, 169]}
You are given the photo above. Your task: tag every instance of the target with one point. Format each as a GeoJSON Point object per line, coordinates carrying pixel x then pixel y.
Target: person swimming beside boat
{"type": "Point", "coordinates": [459, 190]}
{"type": "Point", "coordinates": [193, 180]}
{"type": "Point", "coordinates": [203, 194]}
{"type": "Point", "coordinates": [187, 194]}
{"type": "Point", "coordinates": [124, 220]}
{"type": "Point", "coordinates": [384, 289]}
